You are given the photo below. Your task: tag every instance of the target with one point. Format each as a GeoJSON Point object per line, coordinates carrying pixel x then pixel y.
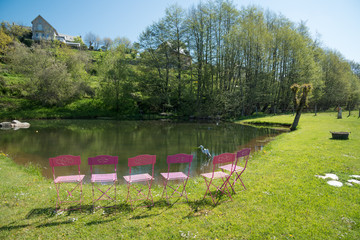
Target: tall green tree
{"type": "Point", "coordinates": [116, 86]}
{"type": "Point", "coordinates": [49, 81]}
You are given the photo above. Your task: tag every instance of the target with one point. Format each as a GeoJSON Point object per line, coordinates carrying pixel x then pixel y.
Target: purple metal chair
{"type": "Point", "coordinates": [61, 161]}
{"type": "Point", "coordinates": [103, 177]}
{"type": "Point", "coordinates": [238, 170]}
{"type": "Point", "coordinates": [180, 176]}
{"type": "Point", "coordinates": [209, 177]}
{"type": "Point", "coordinates": [137, 161]}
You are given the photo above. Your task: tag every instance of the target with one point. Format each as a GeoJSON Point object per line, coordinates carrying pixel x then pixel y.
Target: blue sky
{"type": "Point", "coordinates": [336, 22]}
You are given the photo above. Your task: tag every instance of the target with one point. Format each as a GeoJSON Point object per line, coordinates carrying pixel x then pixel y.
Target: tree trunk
{"type": "Point", "coordinates": [296, 120]}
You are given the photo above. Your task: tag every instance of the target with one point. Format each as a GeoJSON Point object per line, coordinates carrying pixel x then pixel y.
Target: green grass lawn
{"type": "Point", "coordinates": [283, 200]}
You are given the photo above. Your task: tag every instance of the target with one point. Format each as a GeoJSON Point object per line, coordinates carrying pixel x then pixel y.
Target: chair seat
{"type": "Point", "coordinates": [107, 177]}
{"type": "Point", "coordinates": [228, 168]}
{"type": "Point", "coordinates": [174, 176]}
{"type": "Point", "coordinates": [216, 175]}
{"type": "Point", "coordinates": [70, 178]}
{"type": "Point", "coordinates": [138, 178]}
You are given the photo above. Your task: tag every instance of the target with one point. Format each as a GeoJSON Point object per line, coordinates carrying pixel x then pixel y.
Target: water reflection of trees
{"type": "Point", "coordinates": [126, 139]}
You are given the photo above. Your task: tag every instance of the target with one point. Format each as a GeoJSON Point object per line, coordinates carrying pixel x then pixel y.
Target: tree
{"type": "Point", "coordinates": [5, 40]}
{"type": "Point", "coordinates": [90, 39]}
{"type": "Point", "coordinates": [175, 28]}
{"type": "Point", "coordinates": [337, 73]}
{"type": "Point", "coordinates": [78, 39]}
{"type": "Point", "coordinates": [49, 82]}
{"type": "Point", "coordinates": [300, 97]}
{"type": "Point", "coordinates": [107, 43]}
{"type": "Point", "coordinates": [116, 86]}
{"type": "Point", "coordinates": [97, 42]}
{"type": "Point", "coordinates": [17, 32]}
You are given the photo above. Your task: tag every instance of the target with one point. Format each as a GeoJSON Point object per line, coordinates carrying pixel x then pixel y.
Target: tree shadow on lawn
{"type": "Point", "coordinates": [9, 227]}
{"type": "Point", "coordinates": [199, 208]}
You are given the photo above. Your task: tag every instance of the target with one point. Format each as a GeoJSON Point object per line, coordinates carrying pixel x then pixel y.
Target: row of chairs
{"type": "Point", "coordinates": [227, 162]}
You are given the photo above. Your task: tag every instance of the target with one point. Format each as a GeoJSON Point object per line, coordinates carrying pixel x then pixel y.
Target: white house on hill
{"type": "Point", "coordinates": [42, 30]}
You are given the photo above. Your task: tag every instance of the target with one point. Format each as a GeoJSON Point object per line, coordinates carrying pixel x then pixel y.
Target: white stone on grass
{"type": "Point", "coordinates": [355, 176]}
{"type": "Point", "coordinates": [354, 181]}
{"type": "Point", "coordinates": [328, 175]}
{"type": "Point", "coordinates": [335, 183]}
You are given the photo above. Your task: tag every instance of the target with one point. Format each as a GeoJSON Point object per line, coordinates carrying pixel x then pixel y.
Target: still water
{"type": "Point", "coordinates": [88, 138]}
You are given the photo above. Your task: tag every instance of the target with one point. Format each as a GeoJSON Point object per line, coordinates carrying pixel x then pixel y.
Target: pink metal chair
{"type": "Point", "coordinates": [137, 161]}
{"type": "Point", "coordinates": [180, 176]}
{"type": "Point", "coordinates": [238, 170]}
{"type": "Point", "coordinates": [104, 177]}
{"type": "Point", "coordinates": [209, 177]}
{"type": "Point", "coordinates": [61, 161]}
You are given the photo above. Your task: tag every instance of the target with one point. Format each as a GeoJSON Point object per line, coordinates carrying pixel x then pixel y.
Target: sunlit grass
{"type": "Point", "coordinates": [283, 200]}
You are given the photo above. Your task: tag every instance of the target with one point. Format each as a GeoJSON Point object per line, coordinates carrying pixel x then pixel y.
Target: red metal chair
{"type": "Point", "coordinates": [225, 177]}
{"type": "Point", "coordinates": [137, 161]}
{"type": "Point", "coordinates": [62, 161]}
{"type": "Point", "coordinates": [238, 170]}
{"type": "Point", "coordinates": [104, 177]}
{"type": "Point", "coordinates": [180, 176]}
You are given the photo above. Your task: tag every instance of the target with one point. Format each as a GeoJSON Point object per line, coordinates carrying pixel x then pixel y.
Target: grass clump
{"type": "Point", "coordinates": [283, 200]}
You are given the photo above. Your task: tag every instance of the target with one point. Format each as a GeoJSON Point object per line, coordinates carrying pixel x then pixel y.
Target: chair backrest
{"type": "Point", "coordinates": [142, 160]}
{"type": "Point", "coordinates": [64, 160]}
{"type": "Point", "coordinates": [224, 158]}
{"type": "Point", "coordinates": [103, 160]}
{"type": "Point", "coordinates": [245, 154]}
{"type": "Point", "coordinates": [180, 158]}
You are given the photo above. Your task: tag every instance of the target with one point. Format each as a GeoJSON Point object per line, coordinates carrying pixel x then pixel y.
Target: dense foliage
{"type": "Point", "coordinates": [212, 59]}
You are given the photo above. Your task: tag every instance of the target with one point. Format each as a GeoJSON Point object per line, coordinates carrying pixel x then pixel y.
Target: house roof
{"type": "Point", "coordinates": [43, 19]}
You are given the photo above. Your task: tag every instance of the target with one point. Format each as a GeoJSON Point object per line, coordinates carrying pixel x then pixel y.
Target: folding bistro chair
{"type": "Point", "coordinates": [137, 161]}
{"type": "Point", "coordinates": [104, 177]}
{"type": "Point", "coordinates": [238, 170]}
{"type": "Point", "coordinates": [209, 177]}
{"type": "Point", "coordinates": [171, 176]}
{"type": "Point", "coordinates": [61, 161]}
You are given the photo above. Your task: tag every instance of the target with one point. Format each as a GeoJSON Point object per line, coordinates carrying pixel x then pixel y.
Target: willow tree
{"type": "Point", "coordinates": [300, 97]}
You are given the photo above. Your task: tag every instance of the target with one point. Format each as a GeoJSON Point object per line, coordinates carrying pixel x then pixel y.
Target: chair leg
{"type": "Point", "coordinates": [149, 193]}
{"type": "Point", "coordinates": [184, 190]}
{"type": "Point", "coordinates": [115, 192]}
{"type": "Point", "coordinates": [128, 198]}
{"type": "Point", "coordinates": [242, 183]}
{"type": "Point", "coordinates": [165, 190]}
{"type": "Point", "coordinates": [81, 194]}
{"type": "Point", "coordinates": [58, 195]}
{"type": "Point", "coordinates": [69, 194]}
{"type": "Point", "coordinates": [238, 178]}
{"type": "Point", "coordinates": [93, 193]}
{"type": "Point", "coordinates": [208, 184]}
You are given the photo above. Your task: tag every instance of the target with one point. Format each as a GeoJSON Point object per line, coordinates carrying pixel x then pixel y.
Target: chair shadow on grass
{"type": "Point", "coordinates": [203, 206]}
{"type": "Point", "coordinates": [160, 204]}
{"type": "Point", "coordinates": [38, 212]}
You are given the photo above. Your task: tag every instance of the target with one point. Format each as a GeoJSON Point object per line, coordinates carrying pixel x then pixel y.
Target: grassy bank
{"type": "Point", "coordinates": [283, 200]}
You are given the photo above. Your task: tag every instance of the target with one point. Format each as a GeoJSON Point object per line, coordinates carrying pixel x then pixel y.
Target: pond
{"type": "Point", "coordinates": [88, 138]}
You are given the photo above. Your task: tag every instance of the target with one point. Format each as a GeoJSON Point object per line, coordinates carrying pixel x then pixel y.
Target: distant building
{"type": "Point", "coordinates": [42, 30]}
